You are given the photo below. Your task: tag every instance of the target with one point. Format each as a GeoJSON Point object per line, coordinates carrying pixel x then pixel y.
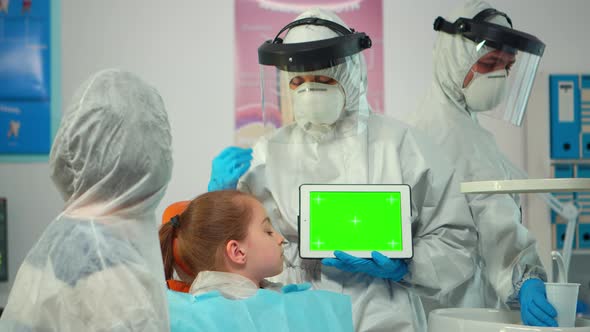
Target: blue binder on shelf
{"type": "Point", "coordinates": [585, 114]}
{"type": "Point", "coordinates": [583, 198]}
{"type": "Point", "coordinates": [564, 97]}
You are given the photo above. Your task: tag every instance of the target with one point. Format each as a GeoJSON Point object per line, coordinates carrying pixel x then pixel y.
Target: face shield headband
{"type": "Point", "coordinates": [314, 55]}
{"type": "Point", "coordinates": [494, 35]}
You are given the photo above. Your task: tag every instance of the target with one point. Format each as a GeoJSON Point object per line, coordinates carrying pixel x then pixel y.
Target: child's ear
{"type": "Point", "coordinates": [236, 252]}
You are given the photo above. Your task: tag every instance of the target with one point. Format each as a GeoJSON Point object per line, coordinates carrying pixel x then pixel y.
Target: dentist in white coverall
{"type": "Point", "coordinates": [482, 66]}
{"type": "Point", "coordinates": [333, 137]}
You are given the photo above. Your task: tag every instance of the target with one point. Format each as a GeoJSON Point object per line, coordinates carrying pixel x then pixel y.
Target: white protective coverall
{"type": "Point", "coordinates": [507, 251]}
{"type": "Point", "coordinates": [382, 150]}
{"type": "Point", "coordinates": [97, 266]}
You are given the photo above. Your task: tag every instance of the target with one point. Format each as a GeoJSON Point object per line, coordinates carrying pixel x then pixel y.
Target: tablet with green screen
{"type": "Point", "coordinates": [357, 219]}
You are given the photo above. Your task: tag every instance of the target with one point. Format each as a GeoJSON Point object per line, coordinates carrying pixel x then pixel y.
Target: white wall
{"type": "Point", "coordinates": [184, 48]}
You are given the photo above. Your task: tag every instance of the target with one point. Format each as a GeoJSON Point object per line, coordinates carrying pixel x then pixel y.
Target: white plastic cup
{"type": "Point", "coordinates": [563, 297]}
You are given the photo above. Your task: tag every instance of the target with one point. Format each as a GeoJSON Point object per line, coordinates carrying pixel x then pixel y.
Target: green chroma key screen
{"type": "Point", "coordinates": [355, 221]}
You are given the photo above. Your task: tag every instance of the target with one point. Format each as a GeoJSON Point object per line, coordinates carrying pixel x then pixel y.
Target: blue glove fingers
{"type": "Point", "coordinates": [400, 271]}
{"type": "Point", "coordinates": [536, 311]}
{"type": "Point", "coordinates": [237, 160]}
{"type": "Point", "coordinates": [238, 172]}
{"type": "Point", "coordinates": [581, 307]}
{"type": "Point", "coordinates": [304, 286]}
{"type": "Point", "coordinates": [229, 154]}
{"type": "Point", "coordinates": [364, 265]}
{"type": "Point", "coordinates": [380, 259]}
{"type": "Point", "coordinates": [395, 269]}
{"type": "Point", "coordinates": [296, 287]}
{"type": "Point", "coordinates": [225, 152]}
{"type": "Point", "coordinates": [386, 262]}
{"type": "Point", "coordinates": [532, 320]}
{"type": "Point", "coordinates": [543, 304]}
{"type": "Point", "coordinates": [335, 262]}
{"type": "Point", "coordinates": [346, 258]}
{"type": "Point", "coordinates": [216, 185]}
{"type": "Point", "coordinates": [329, 261]}
{"type": "Point", "coordinates": [228, 167]}
{"type": "Point", "coordinates": [524, 314]}
{"type": "Point", "coordinates": [234, 151]}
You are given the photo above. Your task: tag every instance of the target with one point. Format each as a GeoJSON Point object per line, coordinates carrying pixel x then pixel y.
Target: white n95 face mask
{"type": "Point", "coordinates": [317, 104]}
{"type": "Point", "coordinates": [486, 91]}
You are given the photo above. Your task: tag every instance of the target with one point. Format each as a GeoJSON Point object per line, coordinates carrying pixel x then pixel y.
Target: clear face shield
{"type": "Point", "coordinates": [505, 63]}
{"type": "Point", "coordinates": [315, 90]}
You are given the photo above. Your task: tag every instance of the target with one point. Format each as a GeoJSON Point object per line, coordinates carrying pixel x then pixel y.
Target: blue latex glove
{"type": "Point", "coordinates": [380, 266]}
{"type": "Point", "coordinates": [228, 167]}
{"type": "Point", "coordinates": [295, 288]}
{"type": "Point", "coordinates": [581, 307]}
{"type": "Point", "coordinates": [535, 310]}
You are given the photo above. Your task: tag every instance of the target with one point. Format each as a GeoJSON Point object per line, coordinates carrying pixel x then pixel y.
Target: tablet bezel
{"type": "Point", "coordinates": [406, 210]}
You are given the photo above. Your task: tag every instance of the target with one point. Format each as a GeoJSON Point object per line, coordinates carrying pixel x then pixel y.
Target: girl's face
{"type": "Point", "coordinates": [264, 245]}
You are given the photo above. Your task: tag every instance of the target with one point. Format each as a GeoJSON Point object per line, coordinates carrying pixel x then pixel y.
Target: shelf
{"type": "Point", "coordinates": [527, 186]}
{"type": "Point", "coordinates": [576, 251]}
{"type": "Point", "coordinates": [570, 162]}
